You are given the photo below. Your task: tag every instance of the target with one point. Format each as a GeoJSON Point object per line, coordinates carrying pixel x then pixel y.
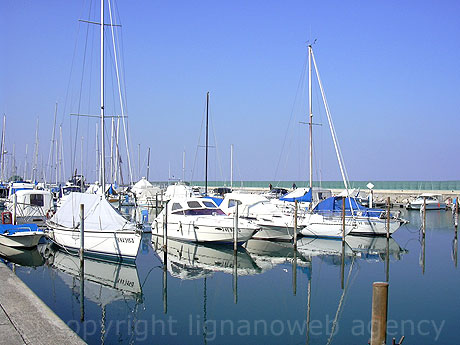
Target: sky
{"type": "Point", "coordinates": [390, 70]}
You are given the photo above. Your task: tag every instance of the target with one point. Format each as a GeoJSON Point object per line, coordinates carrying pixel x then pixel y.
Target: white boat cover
{"type": "Point", "coordinates": [99, 214]}
{"type": "Point", "coordinates": [141, 185]}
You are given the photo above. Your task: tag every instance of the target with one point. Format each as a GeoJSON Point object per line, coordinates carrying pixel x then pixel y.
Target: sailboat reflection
{"type": "Point", "coordinates": [339, 253]}
{"type": "Point", "coordinates": [21, 256]}
{"type": "Point", "coordinates": [187, 260]}
{"type": "Point", "coordinates": [103, 282]}
{"type": "Point", "coordinates": [375, 248]}
{"type": "Point", "coordinates": [118, 281]}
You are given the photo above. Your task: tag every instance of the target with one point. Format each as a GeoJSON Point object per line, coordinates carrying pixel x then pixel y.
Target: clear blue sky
{"type": "Point", "coordinates": [391, 71]}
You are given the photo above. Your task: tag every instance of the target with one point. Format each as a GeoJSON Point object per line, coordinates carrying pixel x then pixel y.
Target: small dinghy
{"type": "Point", "coordinates": [23, 235]}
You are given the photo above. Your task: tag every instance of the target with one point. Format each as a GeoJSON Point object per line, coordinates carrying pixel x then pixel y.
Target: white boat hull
{"type": "Point", "coordinates": [374, 226]}
{"type": "Point", "coordinates": [274, 233]}
{"type": "Point", "coordinates": [317, 225]}
{"type": "Point", "coordinates": [198, 231]}
{"type": "Point", "coordinates": [23, 239]}
{"type": "Point", "coordinates": [118, 245]}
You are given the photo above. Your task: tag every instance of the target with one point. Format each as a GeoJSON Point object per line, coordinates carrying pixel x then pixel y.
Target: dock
{"type": "Point", "coordinates": [25, 319]}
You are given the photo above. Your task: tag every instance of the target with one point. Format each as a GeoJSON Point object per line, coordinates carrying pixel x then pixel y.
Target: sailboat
{"type": "Point", "coordinates": [339, 216]}
{"type": "Point", "coordinates": [106, 233]}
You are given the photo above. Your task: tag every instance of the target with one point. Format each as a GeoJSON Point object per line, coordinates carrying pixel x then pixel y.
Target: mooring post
{"type": "Point", "coordinates": [165, 228]}
{"type": "Point", "coordinates": [82, 261]}
{"type": "Point", "coordinates": [456, 214]}
{"type": "Point", "coordinates": [156, 205]}
{"type": "Point", "coordinates": [165, 281]}
{"type": "Point", "coordinates": [15, 203]}
{"type": "Point", "coordinates": [235, 276]}
{"type": "Point", "coordinates": [343, 219]}
{"type": "Point", "coordinates": [295, 224]}
{"type": "Point", "coordinates": [424, 215]}
{"type": "Point", "coordinates": [342, 266]}
{"type": "Point", "coordinates": [379, 313]}
{"type": "Point", "coordinates": [82, 235]}
{"type": "Point", "coordinates": [294, 272]}
{"type": "Point", "coordinates": [235, 228]}
{"type": "Point", "coordinates": [388, 218]}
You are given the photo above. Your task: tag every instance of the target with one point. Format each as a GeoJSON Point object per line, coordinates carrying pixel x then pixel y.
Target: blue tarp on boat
{"type": "Point", "coordinates": [9, 229]}
{"type": "Point", "coordinates": [304, 198]}
{"type": "Point", "coordinates": [334, 204]}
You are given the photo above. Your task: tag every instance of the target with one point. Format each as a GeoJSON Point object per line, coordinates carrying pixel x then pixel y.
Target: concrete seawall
{"type": "Point", "coordinates": [25, 319]}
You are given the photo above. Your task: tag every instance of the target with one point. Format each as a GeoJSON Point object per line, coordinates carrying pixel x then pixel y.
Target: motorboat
{"type": "Point", "coordinates": [274, 223]}
{"type": "Point", "coordinates": [107, 234]}
{"type": "Point", "coordinates": [200, 220]}
{"type": "Point", "coordinates": [20, 236]}
{"type": "Point", "coordinates": [30, 205]}
{"type": "Point", "coordinates": [433, 202]}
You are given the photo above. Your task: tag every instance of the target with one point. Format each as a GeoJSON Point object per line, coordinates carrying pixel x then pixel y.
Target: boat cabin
{"type": "Point", "coordinates": [195, 207]}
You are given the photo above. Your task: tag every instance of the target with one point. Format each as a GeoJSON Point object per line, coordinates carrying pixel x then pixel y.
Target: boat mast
{"type": "Point", "coordinates": [231, 166]}
{"type": "Point", "coordinates": [148, 164]}
{"type": "Point", "coordinates": [183, 166]}
{"type": "Point", "coordinates": [206, 160]}
{"type": "Point", "coordinates": [102, 100]}
{"type": "Point", "coordinates": [310, 124]}
{"type": "Point", "coordinates": [3, 147]}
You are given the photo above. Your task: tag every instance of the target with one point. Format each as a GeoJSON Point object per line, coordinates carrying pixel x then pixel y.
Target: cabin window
{"type": "Point", "coordinates": [176, 206]}
{"type": "Point", "coordinates": [209, 204]}
{"type": "Point", "coordinates": [232, 203]}
{"type": "Point", "coordinates": [194, 204]}
{"type": "Point", "coordinates": [37, 200]}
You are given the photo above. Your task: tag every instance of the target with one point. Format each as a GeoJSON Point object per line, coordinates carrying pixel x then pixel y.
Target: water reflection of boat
{"type": "Point", "coordinates": [309, 247]}
{"type": "Point", "coordinates": [22, 256]}
{"type": "Point", "coordinates": [105, 282]}
{"type": "Point", "coordinates": [268, 254]}
{"type": "Point", "coordinates": [186, 260]}
{"type": "Point", "coordinates": [368, 247]}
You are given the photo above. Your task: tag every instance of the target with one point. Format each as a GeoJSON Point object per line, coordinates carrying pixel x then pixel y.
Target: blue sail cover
{"type": "Point", "coordinates": [334, 204]}
{"type": "Point", "coordinates": [304, 198]}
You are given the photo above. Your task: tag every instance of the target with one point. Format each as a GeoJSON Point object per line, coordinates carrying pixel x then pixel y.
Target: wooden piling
{"type": "Point", "coordinates": [82, 262]}
{"type": "Point", "coordinates": [388, 218]}
{"type": "Point", "coordinates": [15, 203]}
{"type": "Point", "coordinates": [295, 224]}
{"type": "Point", "coordinates": [235, 229]}
{"type": "Point", "coordinates": [156, 205]}
{"type": "Point", "coordinates": [165, 228]}
{"type": "Point", "coordinates": [379, 313]}
{"type": "Point", "coordinates": [343, 218]}
{"type": "Point", "coordinates": [456, 213]}
{"type": "Point", "coordinates": [424, 216]}
{"type": "Point", "coordinates": [82, 235]}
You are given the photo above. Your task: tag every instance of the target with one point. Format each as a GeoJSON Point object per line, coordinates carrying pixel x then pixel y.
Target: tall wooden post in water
{"type": "Point", "coordinates": [206, 159]}
{"type": "Point", "coordinates": [379, 313]}
{"type": "Point", "coordinates": [388, 218]}
{"type": "Point", "coordinates": [82, 262]}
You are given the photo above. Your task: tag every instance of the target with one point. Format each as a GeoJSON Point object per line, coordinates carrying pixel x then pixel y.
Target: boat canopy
{"type": "Point", "coordinates": [300, 194]}
{"type": "Point", "coordinates": [334, 204]}
{"type": "Point", "coordinates": [99, 214]}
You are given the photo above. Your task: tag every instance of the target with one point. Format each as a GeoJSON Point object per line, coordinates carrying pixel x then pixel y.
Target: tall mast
{"type": "Point", "coordinates": [183, 166]}
{"type": "Point", "coordinates": [206, 161]}
{"type": "Point", "coordinates": [3, 148]}
{"type": "Point", "coordinates": [148, 164]}
{"type": "Point", "coordinates": [102, 100]}
{"type": "Point", "coordinates": [310, 124]}
{"type": "Point", "coordinates": [231, 166]}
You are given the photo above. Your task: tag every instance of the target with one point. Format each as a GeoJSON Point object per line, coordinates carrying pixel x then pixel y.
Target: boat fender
{"type": "Point", "coordinates": [7, 218]}
{"type": "Point", "coordinates": [49, 214]}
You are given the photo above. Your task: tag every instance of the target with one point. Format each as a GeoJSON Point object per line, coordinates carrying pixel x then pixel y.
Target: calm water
{"type": "Point", "coordinates": [201, 295]}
